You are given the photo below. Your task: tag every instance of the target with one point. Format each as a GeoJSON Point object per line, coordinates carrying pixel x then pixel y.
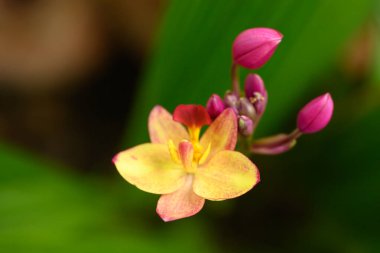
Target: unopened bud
{"type": "Point", "coordinates": [252, 48]}
{"type": "Point", "coordinates": [245, 125]}
{"type": "Point", "coordinates": [246, 108]}
{"type": "Point", "coordinates": [231, 100]}
{"type": "Point", "coordinates": [254, 83]}
{"type": "Point", "coordinates": [315, 115]}
{"type": "Point", "coordinates": [215, 106]}
{"type": "Point", "coordinates": [255, 91]}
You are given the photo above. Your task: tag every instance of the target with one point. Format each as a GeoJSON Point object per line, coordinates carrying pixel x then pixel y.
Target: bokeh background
{"type": "Point", "coordinates": [78, 79]}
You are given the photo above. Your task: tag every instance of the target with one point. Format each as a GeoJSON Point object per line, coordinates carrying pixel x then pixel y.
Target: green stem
{"type": "Point", "coordinates": [244, 144]}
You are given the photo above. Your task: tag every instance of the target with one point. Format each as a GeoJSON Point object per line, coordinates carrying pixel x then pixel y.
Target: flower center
{"type": "Point", "coordinates": [189, 153]}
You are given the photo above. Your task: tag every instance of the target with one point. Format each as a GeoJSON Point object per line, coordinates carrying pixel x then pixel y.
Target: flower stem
{"type": "Point", "coordinates": [244, 145]}
{"type": "Point", "coordinates": [295, 134]}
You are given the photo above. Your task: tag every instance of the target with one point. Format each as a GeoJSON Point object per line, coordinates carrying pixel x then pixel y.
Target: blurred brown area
{"type": "Point", "coordinates": [68, 71]}
{"type": "Point", "coordinates": [358, 55]}
{"type": "Point", "coordinates": [356, 70]}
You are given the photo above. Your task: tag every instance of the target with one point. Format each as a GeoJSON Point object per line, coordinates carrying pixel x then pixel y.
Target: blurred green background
{"type": "Point", "coordinates": [78, 79]}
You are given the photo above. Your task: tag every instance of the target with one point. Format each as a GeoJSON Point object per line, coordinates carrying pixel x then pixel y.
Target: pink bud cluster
{"type": "Point", "coordinates": [248, 108]}
{"type": "Point", "coordinates": [252, 49]}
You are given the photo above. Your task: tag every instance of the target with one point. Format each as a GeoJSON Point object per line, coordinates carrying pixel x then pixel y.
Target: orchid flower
{"type": "Point", "coordinates": [184, 168]}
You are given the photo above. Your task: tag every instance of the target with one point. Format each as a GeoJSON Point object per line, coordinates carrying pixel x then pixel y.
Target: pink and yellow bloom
{"type": "Point", "coordinates": [184, 168]}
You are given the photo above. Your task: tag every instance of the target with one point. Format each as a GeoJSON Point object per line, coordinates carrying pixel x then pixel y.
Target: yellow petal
{"type": "Point", "coordinates": [228, 174]}
{"type": "Point", "coordinates": [205, 154]}
{"type": "Point", "coordinates": [180, 204]}
{"type": "Point", "coordinates": [174, 152]}
{"type": "Point", "coordinates": [222, 133]}
{"type": "Point", "coordinates": [150, 168]}
{"type": "Point", "coordinates": [163, 128]}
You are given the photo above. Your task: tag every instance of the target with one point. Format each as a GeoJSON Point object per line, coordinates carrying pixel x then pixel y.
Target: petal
{"type": "Point", "coordinates": [193, 116]}
{"type": "Point", "coordinates": [150, 168]}
{"type": "Point", "coordinates": [163, 128]}
{"type": "Point", "coordinates": [180, 204]}
{"type": "Point", "coordinates": [228, 174]}
{"type": "Point", "coordinates": [186, 154]}
{"type": "Point", "coordinates": [222, 133]}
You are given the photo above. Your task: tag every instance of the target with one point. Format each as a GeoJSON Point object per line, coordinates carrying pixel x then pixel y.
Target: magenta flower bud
{"type": "Point", "coordinates": [315, 115]}
{"type": "Point", "coordinates": [255, 91]}
{"type": "Point", "coordinates": [254, 83]}
{"type": "Point", "coordinates": [245, 125]}
{"type": "Point", "coordinates": [252, 48]}
{"type": "Point", "coordinates": [215, 106]}
{"type": "Point", "coordinates": [246, 108]}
